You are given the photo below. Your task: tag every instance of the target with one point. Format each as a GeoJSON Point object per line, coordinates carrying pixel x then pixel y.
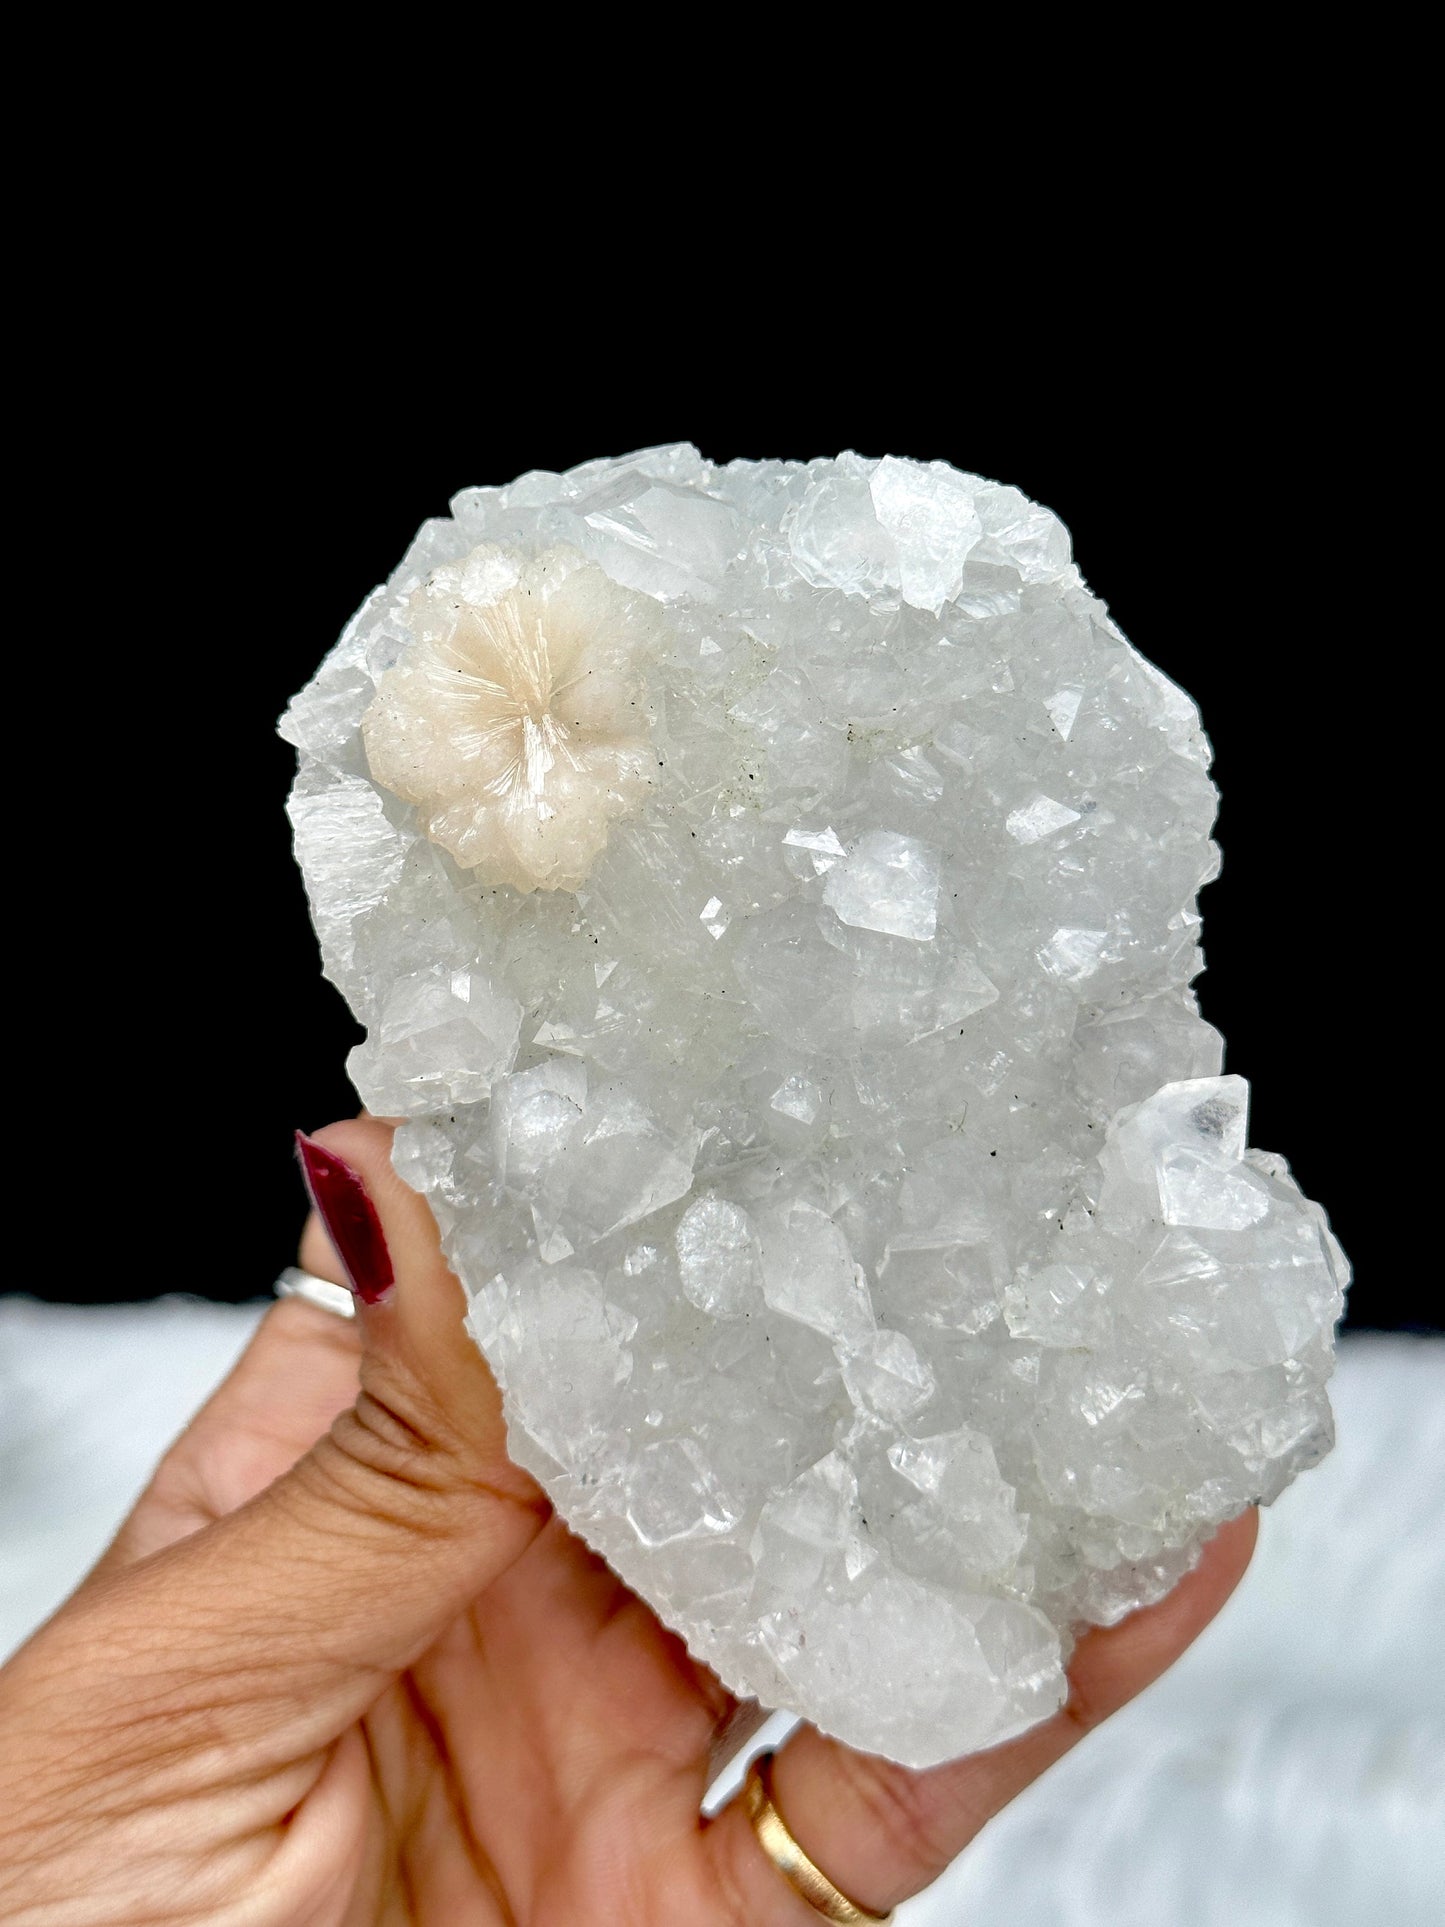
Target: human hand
{"type": "Point", "coordinates": [343, 1665]}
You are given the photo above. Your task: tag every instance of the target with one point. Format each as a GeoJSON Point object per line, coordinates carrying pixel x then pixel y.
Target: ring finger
{"type": "Point", "coordinates": [881, 1832]}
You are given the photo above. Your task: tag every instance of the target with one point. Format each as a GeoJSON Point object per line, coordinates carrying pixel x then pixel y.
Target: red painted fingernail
{"type": "Point", "coordinates": [350, 1219]}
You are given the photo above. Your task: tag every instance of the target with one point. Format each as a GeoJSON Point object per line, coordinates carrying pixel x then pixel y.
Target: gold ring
{"type": "Point", "coordinates": [788, 1857]}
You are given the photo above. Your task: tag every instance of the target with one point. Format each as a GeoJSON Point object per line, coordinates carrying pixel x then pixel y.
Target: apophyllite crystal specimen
{"type": "Point", "coordinates": [769, 894]}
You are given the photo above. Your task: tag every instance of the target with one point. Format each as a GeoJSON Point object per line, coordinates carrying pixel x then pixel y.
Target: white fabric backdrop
{"type": "Point", "coordinates": [1290, 1772]}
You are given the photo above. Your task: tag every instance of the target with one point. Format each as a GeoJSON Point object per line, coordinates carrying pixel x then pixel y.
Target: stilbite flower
{"type": "Point", "coordinates": [517, 722]}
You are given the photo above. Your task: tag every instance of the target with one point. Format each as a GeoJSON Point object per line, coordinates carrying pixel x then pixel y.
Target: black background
{"type": "Point", "coordinates": [260, 491]}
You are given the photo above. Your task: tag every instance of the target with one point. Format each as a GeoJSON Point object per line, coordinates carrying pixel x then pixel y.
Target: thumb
{"type": "Point", "coordinates": [285, 1619]}
{"type": "Point", "coordinates": [426, 1391]}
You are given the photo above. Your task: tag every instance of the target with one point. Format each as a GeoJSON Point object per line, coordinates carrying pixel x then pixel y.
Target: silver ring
{"type": "Point", "coordinates": [296, 1283]}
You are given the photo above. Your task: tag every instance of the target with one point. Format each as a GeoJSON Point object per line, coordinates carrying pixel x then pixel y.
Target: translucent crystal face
{"type": "Point", "coordinates": [769, 893]}
{"type": "Point", "coordinates": [517, 720]}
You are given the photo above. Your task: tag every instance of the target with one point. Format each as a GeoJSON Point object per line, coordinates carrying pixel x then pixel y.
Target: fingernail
{"type": "Point", "coordinates": [350, 1219]}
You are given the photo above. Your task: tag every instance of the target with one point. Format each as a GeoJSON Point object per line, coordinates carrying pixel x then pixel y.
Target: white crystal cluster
{"type": "Point", "coordinates": [769, 893]}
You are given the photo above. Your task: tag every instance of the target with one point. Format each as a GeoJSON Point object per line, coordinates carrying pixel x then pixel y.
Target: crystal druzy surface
{"type": "Point", "coordinates": [769, 892]}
